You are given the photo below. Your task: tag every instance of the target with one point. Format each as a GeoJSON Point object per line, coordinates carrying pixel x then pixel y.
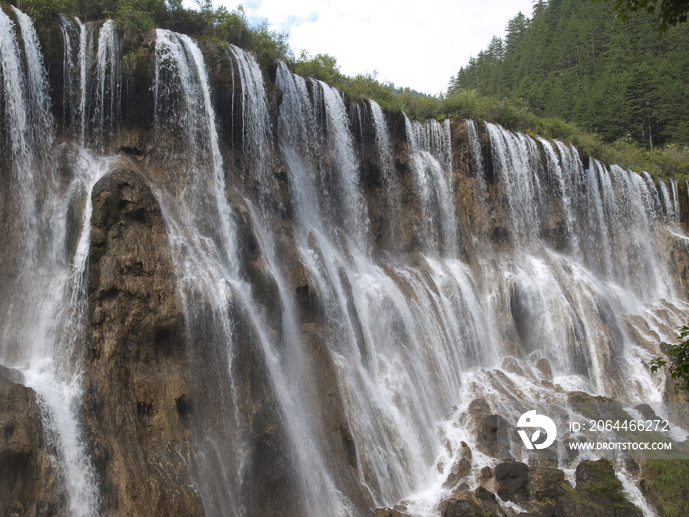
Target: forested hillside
{"type": "Point", "coordinates": [574, 60]}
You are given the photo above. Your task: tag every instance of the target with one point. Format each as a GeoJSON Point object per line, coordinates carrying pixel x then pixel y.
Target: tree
{"type": "Point", "coordinates": [665, 13]}
{"type": "Point", "coordinates": [679, 361]}
{"type": "Point", "coordinates": [516, 28]}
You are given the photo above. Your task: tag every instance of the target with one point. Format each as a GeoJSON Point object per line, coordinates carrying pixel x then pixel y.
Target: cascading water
{"type": "Point", "coordinates": [396, 363]}
{"type": "Point", "coordinates": [107, 87]}
{"type": "Point", "coordinates": [391, 185]}
{"type": "Point", "coordinates": [475, 148]}
{"type": "Point", "coordinates": [555, 173]}
{"type": "Point", "coordinates": [43, 322]}
{"type": "Point", "coordinates": [516, 157]}
{"type": "Point", "coordinates": [432, 161]}
{"type": "Point", "coordinates": [333, 369]}
{"type": "Point", "coordinates": [92, 82]}
{"type": "Point", "coordinates": [675, 200]}
{"type": "Point", "coordinates": [256, 131]}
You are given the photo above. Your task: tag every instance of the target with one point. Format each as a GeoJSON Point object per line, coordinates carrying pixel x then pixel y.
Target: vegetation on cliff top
{"type": "Point", "coordinates": [514, 114]}
{"type": "Point", "coordinates": [485, 100]}
{"type": "Point", "coordinates": [136, 16]}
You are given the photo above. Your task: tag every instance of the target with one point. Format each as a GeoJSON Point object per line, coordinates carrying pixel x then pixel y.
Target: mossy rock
{"type": "Point", "coordinates": [597, 482]}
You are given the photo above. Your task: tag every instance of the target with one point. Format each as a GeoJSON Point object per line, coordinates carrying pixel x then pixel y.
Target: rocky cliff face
{"type": "Point", "coordinates": [285, 296]}
{"type": "Point", "coordinates": [29, 481]}
{"type": "Point", "coordinates": [135, 407]}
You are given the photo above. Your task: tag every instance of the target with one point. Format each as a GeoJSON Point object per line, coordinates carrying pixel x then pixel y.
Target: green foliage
{"type": "Point", "coordinates": [268, 45]}
{"type": "Point", "coordinates": [669, 481]}
{"type": "Point", "coordinates": [605, 480]}
{"type": "Point", "coordinates": [44, 8]}
{"type": "Point", "coordinates": [574, 60]}
{"type": "Point", "coordinates": [322, 67]}
{"type": "Point", "coordinates": [663, 13]}
{"type": "Point", "coordinates": [137, 16]}
{"type": "Point", "coordinates": [679, 361]}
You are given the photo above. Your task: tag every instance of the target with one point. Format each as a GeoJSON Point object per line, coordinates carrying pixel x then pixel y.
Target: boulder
{"type": "Point", "coordinates": [512, 479]}
{"type": "Point", "coordinates": [484, 494]}
{"type": "Point", "coordinates": [468, 504]}
{"type": "Point", "coordinates": [459, 470]}
{"type": "Point", "coordinates": [543, 366]}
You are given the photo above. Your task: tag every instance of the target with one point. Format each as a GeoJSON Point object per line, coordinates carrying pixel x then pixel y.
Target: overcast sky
{"type": "Point", "coordinates": [416, 44]}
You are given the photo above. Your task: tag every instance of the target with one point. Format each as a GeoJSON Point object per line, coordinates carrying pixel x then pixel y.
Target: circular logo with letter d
{"type": "Point", "coordinates": [531, 419]}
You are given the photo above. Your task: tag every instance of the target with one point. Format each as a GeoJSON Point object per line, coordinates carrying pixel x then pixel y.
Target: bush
{"type": "Point", "coordinates": [679, 361]}
{"type": "Point", "coordinates": [137, 16]}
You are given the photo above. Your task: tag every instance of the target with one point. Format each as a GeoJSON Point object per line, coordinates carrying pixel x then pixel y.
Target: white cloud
{"type": "Point", "coordinates": [413, 44]}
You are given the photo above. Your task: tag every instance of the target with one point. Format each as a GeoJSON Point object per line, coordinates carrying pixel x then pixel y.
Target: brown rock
{"type": "Point", "coordinates": [509, 364]}
{"type": "Point", "coordinates": [484, 494]}
{"type": "Point", "coordinates": [136, 390]}
{"type": "Point", "coordinates": [543, 366]}
{"type": "Point", "coordinates": [480, 503]}
{"type": "Point", "coordinates": [546, 483]}
{"type": "Point", "coordinates": [491, 437]}
{"type": "Point", "coordinates": [28, 480]}
{"type": "Point", "coordinates": [459, 470]}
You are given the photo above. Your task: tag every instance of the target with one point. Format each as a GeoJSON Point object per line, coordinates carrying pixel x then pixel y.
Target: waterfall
{"type": "Point", "coordinates": [669, 201]}
{"type": "Point", "coordinates": [107, 90]}
{"type": "Point", "coordinates": [398, 357]}
{"type": "Point", "coordinates": [600, 202]}
{"type": "Point", "coordinates": [42, 325]}
{"type": "Point", "coordinates": [339, 140]}
{"type": "Point", "coordinates": [516, 158]}
{"type": "Point", "coordinates": [675, 200]}
{"type": "Point", "coordinates": [475, 148]}
{"type": "Point", "coordinates": [179, 57]}
{"type": "Point", "coordinates": [563, 190]}
{"type": "Point", "coordinates": [27, 124]}
{"type": "Point", "coordinates": [69, 66]}
{"type": "Point", "coordinates": [349, 283]}
{"type": "Point", "coordinates": [38, 103]}
{"type": "Point", "coordinates": [255, 119]}
{"type": "Point", "coordinates": [92, 82]}
{"type": "Point", "coordinates": [432, 163]}
{"type": "Point", "coordinates": [391, 185]}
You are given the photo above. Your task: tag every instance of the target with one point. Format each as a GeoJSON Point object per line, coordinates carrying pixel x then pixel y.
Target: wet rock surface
{"type": "Point", "coordinates": [512, 479]}
{"type": "Point", "coordinates": [29, 483]}
{"type": "Point", "coordinates": [136, 387]}
{"type": "Point", "coordinates": [544, 492]}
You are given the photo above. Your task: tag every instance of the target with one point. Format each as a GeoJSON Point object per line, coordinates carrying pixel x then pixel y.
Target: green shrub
{"type": "Point", "coordinates": [669, 481]}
